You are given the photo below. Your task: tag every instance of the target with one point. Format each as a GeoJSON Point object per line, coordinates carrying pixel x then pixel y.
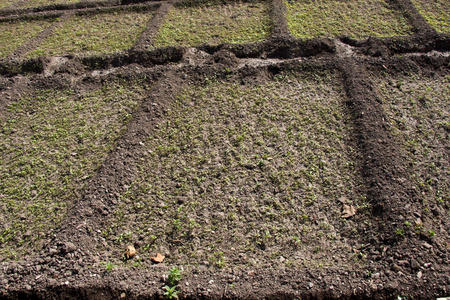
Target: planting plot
{"type": "Point", "coordinates": [245, 176]}
{"type": "Point", "coordinates": [95, 33]}
{"type": "Point", "coordinates": [436, 12]}
{"type": "Point", "coordinates": [50, 143]}
{"type": "Point", "coordinates": [5, 3]}
{"type": "Point", "coordinates": [215, 24]}
{"type": "Point", "coordinates": [333, 18]}
{"type": "Point", "coordinates": [16, 33]}
{"type": "Point", "coordinates": [37, 3]}
{"type": "Point", "coordinates": [419, 111]}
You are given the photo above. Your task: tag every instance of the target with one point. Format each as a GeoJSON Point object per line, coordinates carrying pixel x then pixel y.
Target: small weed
{"type": "Point", "coordinates": [175, 275]}
{"type": "Point", "coordinates": [109, 266]}
{"type": "Point", "coordinates": [171, 292]}
{"type": "Point", "coordinates": [399, 232]}
{"type": "Point", "coordinates": [219, 259]}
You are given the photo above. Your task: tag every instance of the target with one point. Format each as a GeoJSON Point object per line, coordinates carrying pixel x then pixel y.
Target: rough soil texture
{"type": "Point", "coordinates": [281, 169]}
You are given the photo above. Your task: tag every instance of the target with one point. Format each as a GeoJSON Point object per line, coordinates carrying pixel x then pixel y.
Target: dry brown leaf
{"type": "Point", "coordinates": [349, 210]}
{"type": "Point", "coordinates": [159, 258]}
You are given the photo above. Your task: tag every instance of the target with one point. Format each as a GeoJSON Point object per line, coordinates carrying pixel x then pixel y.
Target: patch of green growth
{"type": "Point", "coordinates": [5, 3]}
{"type": "Point", "coordinates": [436, 12]}
{"type": "Point", "coordinates": [109, 266]}
{"type": "Point", "coordinates": [51, 142]}
{"type": "Point", "coordinates": [175, 275]}
{"type": "Point", "coordinates": [171, 292]}
{"type": "Point", "coordinates": [358, 19]}
{"type": "Point", "coordinates": [38, 3]}
{"type": "Point", "coordinates": [218, 260]}
{"type": "Point", "coordinates": [14, 34]}
{"type": "Point", "coordinates": [418, 107]}
{"type": "Point", "coordinates": [244, 167]}
{"type": "Point", "coordinates": [215, 24]}
{"type": "Point", "coordinates": [95, 34]}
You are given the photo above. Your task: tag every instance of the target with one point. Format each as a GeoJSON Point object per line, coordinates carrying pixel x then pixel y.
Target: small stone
{"type": "Point", "coordinates": [415, 264]}
{"type": "Point", "coordinates": [28, 287]}
{"type": "Point", "coordinates": [426, 245]}
{"type": "Point", "coordinates": [392, 286]}
{"type": "Point", "coordinates": [68, 247]}
{"type": "Point", "coordinates": [310, 285]}
{"type": "Point", "coordinates": [123, 295]}
{"type": "Point", "coordinates": [396, 268]}
{"type": "Point", "coordinates": [427, 265]}
{"type": "Point", "coordinates": [419, 274]}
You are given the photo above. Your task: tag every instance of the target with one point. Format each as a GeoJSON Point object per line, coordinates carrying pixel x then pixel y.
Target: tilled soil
{"type": "Point", "coordinates": [281, 169]}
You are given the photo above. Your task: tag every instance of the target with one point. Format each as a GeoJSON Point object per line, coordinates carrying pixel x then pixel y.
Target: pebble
{"type": "Point", "coordinates": [426, 245]}
{"type": "Point", "coordinates": [396, 268]}
{"type": "Point", "coordinates": [414, 264]}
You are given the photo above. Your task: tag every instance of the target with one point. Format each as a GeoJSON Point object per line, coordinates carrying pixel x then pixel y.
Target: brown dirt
{"type": "Point", "coordinates": [375, 255]}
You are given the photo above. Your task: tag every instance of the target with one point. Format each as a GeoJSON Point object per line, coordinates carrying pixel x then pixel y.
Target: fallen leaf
{"type": "Point", "coordinates": [349, 210]}
{"type": "Point", "coordinates": [159, 258]}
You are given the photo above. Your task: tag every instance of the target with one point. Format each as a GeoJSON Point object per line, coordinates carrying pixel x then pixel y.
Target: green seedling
{"type": "Point", "coordinates": [109, 266]}
{"type": "Point", "coordinates": [175, 275]}
{"type": "Point", "coordinates": [171, 292]}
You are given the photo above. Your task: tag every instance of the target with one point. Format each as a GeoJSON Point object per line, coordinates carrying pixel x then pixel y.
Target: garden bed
{"type": "Point", "coordinates": [356, 19]}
